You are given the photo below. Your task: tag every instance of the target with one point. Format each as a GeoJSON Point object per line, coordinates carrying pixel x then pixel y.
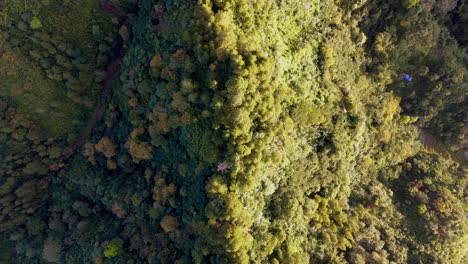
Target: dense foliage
{"type": "Point", "coordinates": [233, 131]}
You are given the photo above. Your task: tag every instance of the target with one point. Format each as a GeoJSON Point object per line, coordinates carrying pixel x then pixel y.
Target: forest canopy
{"type": "Point", "coordinates": [233, 131]}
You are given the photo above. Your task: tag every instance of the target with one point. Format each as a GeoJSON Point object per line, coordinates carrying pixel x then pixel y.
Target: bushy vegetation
{"type": "Point", "coordinates": [233, 131]}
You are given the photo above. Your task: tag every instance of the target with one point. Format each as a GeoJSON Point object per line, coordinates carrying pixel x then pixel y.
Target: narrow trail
{"type": "Point", "coordinates": [111, 73]}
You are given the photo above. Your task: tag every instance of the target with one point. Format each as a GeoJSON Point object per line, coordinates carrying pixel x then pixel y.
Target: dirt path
{"type": "Point", "coordinates": [111, 73]}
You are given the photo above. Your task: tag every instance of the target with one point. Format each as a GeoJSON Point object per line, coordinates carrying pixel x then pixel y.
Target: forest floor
{"type": "Point", "coordinates": [435, 144]}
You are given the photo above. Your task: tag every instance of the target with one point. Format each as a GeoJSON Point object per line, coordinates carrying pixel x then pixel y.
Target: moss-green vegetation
{"type": "Point", "coordinates": [52, 77]}
{"type": "Point", "coordinates": [235, 132]}
{"type": "Point", "coordinates": [42, 113]}
{"type": "Point", "coordinates": [37, 96]}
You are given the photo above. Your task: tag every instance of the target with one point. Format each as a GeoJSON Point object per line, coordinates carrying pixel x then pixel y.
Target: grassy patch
{"type": "Point", "coordinates": [70, 22]}
{"type": "Point", "coordinates": [43, 99]}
